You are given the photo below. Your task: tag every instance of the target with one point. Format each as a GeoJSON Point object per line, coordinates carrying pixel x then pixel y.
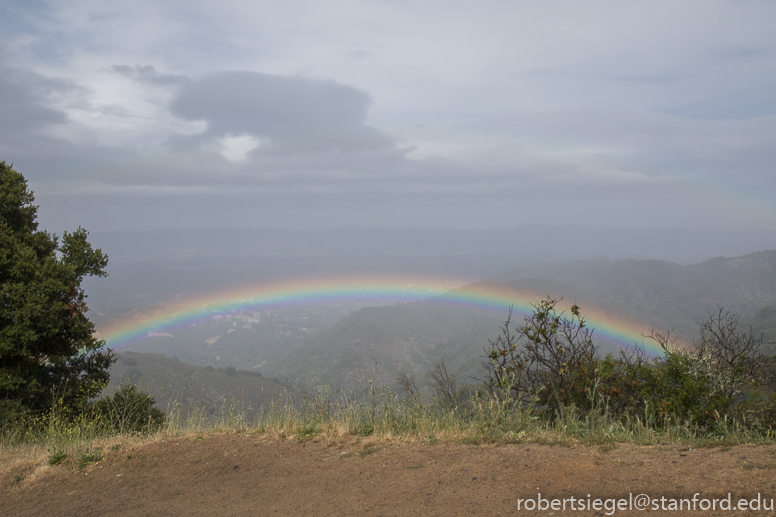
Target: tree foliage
{"type": "Point", "coordinates": [47, 351]}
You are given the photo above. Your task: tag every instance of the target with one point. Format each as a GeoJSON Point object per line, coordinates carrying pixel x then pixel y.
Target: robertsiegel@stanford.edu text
{"type": "Point", "coordinates": [645, 502]}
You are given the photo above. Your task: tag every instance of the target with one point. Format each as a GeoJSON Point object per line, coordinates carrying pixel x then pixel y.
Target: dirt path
{"type": "Point", "coordinates": [236, 475]}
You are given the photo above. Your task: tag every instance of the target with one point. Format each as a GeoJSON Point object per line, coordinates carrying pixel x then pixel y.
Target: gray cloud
{"type": "Point", "coordinates": [27, 114]}
{"type": "Point", "coordinates": [742, 104]}
{"type": "Point", "coordinates": [604, 113]}
{"type": "Point", "coordinates": [733, 82]}
{"type": "Point", "coordinates": [149, 75]}
{"type": "Point", "coordinates": [22, 98]}
{"type": "Point", "coordinates": [655, 145]}
{"type": "Point", "coordinates": [289, 111]}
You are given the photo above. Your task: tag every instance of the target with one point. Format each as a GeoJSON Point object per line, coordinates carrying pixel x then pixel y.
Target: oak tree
{"type": "Point", "coordinates": [48, 353]}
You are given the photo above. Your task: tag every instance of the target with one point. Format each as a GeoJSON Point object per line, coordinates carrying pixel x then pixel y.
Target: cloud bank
{"type": "Point", "coordinates": [472, 115]}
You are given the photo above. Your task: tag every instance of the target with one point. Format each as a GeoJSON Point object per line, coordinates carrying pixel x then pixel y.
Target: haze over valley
{"type": "Point", "coordinates": [345, 341]}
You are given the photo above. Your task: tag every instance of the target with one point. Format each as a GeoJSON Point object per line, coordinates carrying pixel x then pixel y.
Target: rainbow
{"type": "Point", "coordinates": [367, 291]}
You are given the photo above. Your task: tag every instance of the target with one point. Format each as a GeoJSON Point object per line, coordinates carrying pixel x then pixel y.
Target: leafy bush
{"type": "Point", "coordinates": [724, 374]}
{"type": "Point", "coordinates": [364, 429]}
{"type": "Point", "coordinates": [130, 410]}
{"type": "Point", "coordinates": [550, 359]}
{"type": "Point", "coordinates": [551, 362]}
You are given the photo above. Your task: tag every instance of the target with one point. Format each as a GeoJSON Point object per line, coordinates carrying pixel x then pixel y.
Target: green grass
{"type": "Point", "coordinates": [88, 457]}
{"type": "Point", "coordinates": [57, 457]}
{"type": "Point", "coordinates": [306, 432]}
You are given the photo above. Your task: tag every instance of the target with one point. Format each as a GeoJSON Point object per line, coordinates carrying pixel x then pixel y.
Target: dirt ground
{"type": "Point", "coordinates": [236, 475]}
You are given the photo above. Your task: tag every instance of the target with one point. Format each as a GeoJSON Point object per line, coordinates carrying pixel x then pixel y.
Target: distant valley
{"type": "Point", "coordinates": [346, 345]}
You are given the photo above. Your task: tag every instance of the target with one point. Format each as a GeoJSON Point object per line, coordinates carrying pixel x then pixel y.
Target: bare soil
{"type": "Point", "coordinates": [236, 475]}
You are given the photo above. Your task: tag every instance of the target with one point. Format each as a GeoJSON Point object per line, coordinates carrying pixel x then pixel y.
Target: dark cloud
{"type": "Point", "coordinates": [148, 74]}
{"type": "Point", "coordinates": [20, 113]}
{"type": "Point", "coordinates": [21, 102]}
{"type": "Point", "coordinates": [24, 112]}
{"type": "Point", "coordinates": [288, 111]}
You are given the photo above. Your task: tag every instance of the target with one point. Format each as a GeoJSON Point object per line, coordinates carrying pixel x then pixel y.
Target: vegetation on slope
{"type": "Point", "coordinates": [546, 384]}
{"type": "Point", "coordinates": [551, 360]}
{"type": "Point", "coordinates": [763, 322]}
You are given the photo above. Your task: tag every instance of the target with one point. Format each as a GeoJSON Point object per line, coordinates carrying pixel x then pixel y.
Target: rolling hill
{"type": "Point", "coordinates": [170, 380]}
{"type": "Point", "coordinates": [665, 294]}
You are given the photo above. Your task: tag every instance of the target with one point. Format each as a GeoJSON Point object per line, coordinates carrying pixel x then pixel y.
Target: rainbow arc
{"type": "Point", "coordinates": [483, 296]}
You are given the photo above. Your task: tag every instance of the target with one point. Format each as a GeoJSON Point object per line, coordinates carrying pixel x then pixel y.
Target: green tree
{"type": "Point", "coordinates": [47, 351]}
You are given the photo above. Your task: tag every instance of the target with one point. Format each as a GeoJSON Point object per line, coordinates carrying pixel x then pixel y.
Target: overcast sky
{"type": "Point", "coordinates": [444, 114]}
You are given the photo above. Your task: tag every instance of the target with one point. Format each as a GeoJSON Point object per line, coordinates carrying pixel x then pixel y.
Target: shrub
{"type": "Point", "coordinates": [445, 386]}
{"type": "Point", "coordinates": [130, 410]}
{"type": "Point", "coordinates": [552, 362]}
{"type": "Point", "coordinates": [550, 359]}
{"type": "Point", "coordinates": [307, 431]}
{"type": "Point", "coordinates": [364, 429]}
{"type": "Point", "coordinates": [611, 383]}
{"type": "Point", "coordinates": [723, 374]}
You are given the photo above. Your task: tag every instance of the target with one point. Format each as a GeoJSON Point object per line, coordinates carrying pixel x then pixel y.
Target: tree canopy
{"type": "Point", "coordinates": [47, 351]}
